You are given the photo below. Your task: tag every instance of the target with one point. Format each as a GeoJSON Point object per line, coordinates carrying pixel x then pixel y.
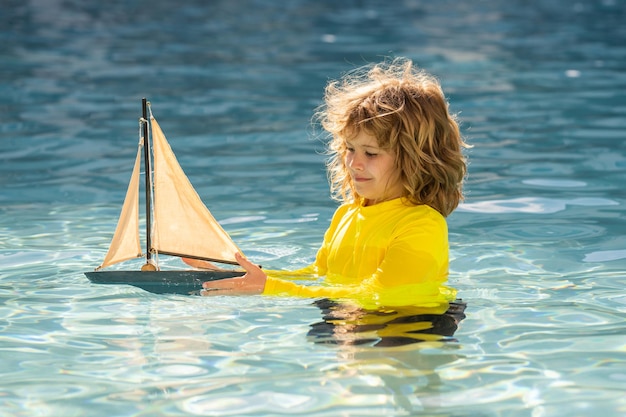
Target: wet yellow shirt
{"type": "Point", "coordinates": [388, 254]}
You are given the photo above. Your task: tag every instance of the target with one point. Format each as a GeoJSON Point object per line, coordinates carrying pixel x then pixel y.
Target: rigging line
{"type": "Point", "coordinates": [154, 230]}
{"type": "Point", "coordinates": [148, 182]}
{"type": "Point", "coordinates": [140, 145]}
{"type": "Point", "coordinates": [141, 122]}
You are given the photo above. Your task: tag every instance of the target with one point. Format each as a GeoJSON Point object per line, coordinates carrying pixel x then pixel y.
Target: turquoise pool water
{"type": "Point", "coordinates": [538, 249]}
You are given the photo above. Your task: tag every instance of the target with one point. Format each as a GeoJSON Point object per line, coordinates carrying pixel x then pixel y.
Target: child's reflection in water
{"type": "Point", "coordinates": [345, 324]}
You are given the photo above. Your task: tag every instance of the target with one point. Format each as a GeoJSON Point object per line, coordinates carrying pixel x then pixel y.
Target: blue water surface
{"type": "Point", "coordinates": [538, 249]}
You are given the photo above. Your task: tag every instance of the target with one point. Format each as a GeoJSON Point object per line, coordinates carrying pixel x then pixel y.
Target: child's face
{"type": "Point", "coordinates": [372, 169]}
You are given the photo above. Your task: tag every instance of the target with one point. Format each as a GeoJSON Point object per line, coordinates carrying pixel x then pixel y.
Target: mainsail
{"type": "Point", "coordinates": [181, 224]}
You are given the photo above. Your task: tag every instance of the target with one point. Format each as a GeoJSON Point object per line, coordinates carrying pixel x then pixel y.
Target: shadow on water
{"type": "Point", "coordinates": [345, 324]}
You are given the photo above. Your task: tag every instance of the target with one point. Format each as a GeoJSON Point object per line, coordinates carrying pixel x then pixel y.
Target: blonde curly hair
{"type": "Point", "coordinates": [405, 109]}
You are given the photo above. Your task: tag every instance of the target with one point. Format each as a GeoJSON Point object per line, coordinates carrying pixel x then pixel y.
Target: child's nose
{"type": "Point", "coordinates": [355, 162]}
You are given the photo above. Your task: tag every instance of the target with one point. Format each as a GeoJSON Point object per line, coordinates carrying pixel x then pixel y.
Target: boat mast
{"type": "Point", "coordinates": [148, 168]}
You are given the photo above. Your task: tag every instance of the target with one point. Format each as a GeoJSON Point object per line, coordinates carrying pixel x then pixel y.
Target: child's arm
{"type": "Point", "coordinates": [197, 263]}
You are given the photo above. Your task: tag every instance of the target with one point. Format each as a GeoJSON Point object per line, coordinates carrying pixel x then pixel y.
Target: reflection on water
{"type": "Point", "coordinates": [345, 324]}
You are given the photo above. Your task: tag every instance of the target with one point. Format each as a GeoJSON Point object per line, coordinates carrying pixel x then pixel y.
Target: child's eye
{"type": "Point", "coordinates": [349, 149]}
{"type": "Point", "coordinates": [370, 154]}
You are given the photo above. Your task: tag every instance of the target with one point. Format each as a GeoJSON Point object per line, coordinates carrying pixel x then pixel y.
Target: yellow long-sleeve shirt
{"type": "Point", "coordinates": [388, 254]}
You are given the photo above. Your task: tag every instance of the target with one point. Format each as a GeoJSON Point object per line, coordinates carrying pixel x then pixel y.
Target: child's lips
{"type": "Point", "coordinates": [360, 179]}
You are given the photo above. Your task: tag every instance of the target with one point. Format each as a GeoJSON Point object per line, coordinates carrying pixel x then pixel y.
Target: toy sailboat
{"type": "Point", "coordinates": [177, 223]}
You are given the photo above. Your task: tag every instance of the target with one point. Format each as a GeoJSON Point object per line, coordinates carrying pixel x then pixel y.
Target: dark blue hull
{"type": "Point", "coordinates": [161, 282]}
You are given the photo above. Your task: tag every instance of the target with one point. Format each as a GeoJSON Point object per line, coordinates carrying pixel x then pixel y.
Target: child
{"type": "Point", "coordinates": [397, 165]}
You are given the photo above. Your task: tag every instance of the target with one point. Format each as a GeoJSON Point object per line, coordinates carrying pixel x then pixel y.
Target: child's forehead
{"type": "Point", "coordinates": [362, 138]}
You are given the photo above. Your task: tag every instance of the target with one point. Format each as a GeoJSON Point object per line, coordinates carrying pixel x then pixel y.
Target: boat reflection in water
{"type": "Point", "coordinates": [345, 324]}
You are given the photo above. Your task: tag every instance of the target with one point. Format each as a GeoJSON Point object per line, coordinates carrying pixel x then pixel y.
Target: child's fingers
{"type": "Point", "coordinates": [245, 263]}
{"type": "Point", "coordinates": [223, 284]}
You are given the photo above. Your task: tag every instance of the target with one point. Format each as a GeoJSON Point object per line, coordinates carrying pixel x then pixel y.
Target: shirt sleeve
{"type": "Point", "coordinates": [368, 295]}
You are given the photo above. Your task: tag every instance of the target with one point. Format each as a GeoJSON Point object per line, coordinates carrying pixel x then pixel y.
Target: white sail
{"type": "Point", "coordinates": [125, 243]}
{"type": "Point", "coordinates": [182, 223]}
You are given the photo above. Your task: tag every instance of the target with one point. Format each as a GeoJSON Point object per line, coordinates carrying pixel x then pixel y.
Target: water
{"type": "Point", "coordinates": [538, 249]}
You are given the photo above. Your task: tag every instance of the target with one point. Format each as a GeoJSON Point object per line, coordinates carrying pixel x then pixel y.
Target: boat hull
{"type": "Point", "coordinates": [188, 282]}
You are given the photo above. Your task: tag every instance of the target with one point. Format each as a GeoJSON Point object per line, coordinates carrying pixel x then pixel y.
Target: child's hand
{"type": "Point", "coordinates": [253, 282]}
